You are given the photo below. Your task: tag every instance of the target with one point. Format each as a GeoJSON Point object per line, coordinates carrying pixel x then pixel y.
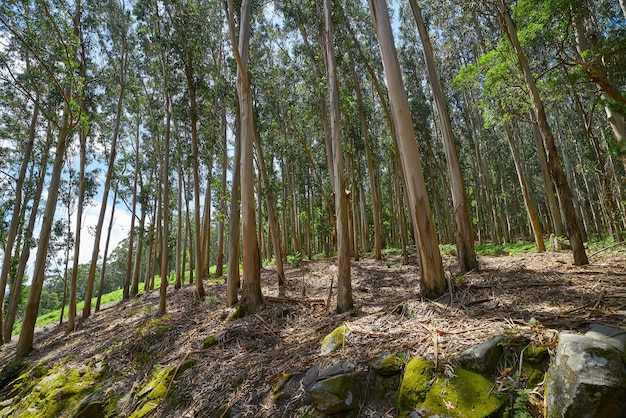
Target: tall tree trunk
{"type": "Point", "coordinates": [344, 281]}
{"type": "Point", "coordinates": [165, 194]}
{"type": "Point", "coordinates": [17, 209]}
{"type": "Point", "coordinates": [553, 204]}
{"type": "Point", "coordinates": [16, 290]}
{"type": "Point", "coordinates": [251, 294]}
{"type": "Point", "coordinates": [134, 289]}
{"type": "Point", "coordinates": [219, 270]}
{"type": "Point", "coordinates": [370, 167]}
{"type": "Point", "coordinates": [107, 184]}
{"type": "Point", "coordinates": [106, 250]}
{"type": "Point", "coordinates": [433, 283]}
{"type": "Point", "coordinates": [25, 342]}
{"type": "Point", "coordinates": [565, 194]}
{"type": "Point", "coordinates": [180, 244]}
{"type": "Point", "coordinates": [232, 278]}
{"type": "Point", "coordinates": [464, 234]}
{"type": "Point", "coordinates": [272, 219]}
{"type": "Point", "coordinates": [133, 215]}
{"type": "Point", "coordinates": [529, 203]}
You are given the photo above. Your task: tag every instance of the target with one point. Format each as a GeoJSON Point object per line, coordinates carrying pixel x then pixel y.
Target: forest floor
{"type": "Point", "coordinates": [530, 295]}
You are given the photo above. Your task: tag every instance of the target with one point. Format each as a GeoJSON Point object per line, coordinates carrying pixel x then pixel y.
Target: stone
{"type": "Point", "coordinates": [388, 364]}
{"type": "Point", "coordinates": [483, 358]}
{"type": "Point", "coordinates": [345, 367]}
{"type": "Point", "coordinates": [334, 340]}
{"type": "Point", "coordinates": [415, 384]}
{"type": "Point", "coordinates": [335, 394]}
{"type": "Point", "coordinates": [93, 405]}
{"type": "Point", "coordinates": [311, 376]}
{"type": "Point", "coordinates": [586, 379]}
{"type": "Point", "coordinates": [467, 394]}
{"type": "Point", "coordinates": [611, 334]}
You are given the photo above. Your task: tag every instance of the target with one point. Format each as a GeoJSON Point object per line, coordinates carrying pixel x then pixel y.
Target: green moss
{"type": "Point", "coordinates": [10, 373]}
{"type": "Point", "coordinates": [153, 393]}
{"type": "Point", "coordinates": [187, 364]}
{"type": "Point", "coordinates": [210, 341]}
{"type": "Point", "coordinates": [44, 392]}
{"type": "Point", "coordinates": [155, 327]}
{"type": "Point", "coordinates": [534, 374]}
{"type": "Point", "coordinates": [238, 313]}
{"type": "Point", "coordinates": [334, 340]}
{"type": "Point", "coordinates": [468, 394]}
{"type": "Point", "coordinates": [415, 385]}
{"type": "Point", "coordinates": [388, 364]}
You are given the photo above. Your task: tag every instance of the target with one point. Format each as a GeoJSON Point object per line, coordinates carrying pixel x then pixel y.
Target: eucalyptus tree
{"type": "Point", "coordinates": [465, 236]}
{"type": "Point", "coordinates": [117, 56]}
{"type": "Point", "coordinates": [66, 38]}
{"type": "Point", "coordinates": [563, 190]}
{"type": "Point", "coordinates": [433, 283]}
{"type": "Point", "coordinates": [33, 90]}
{"type": "Point", "coordinates": [251, 296]}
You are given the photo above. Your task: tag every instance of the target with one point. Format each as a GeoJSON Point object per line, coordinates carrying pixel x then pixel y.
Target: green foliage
{"type": "Point", "coordinates": [513, 248]}
{"type": "Point", "coordinates": [295, 259]}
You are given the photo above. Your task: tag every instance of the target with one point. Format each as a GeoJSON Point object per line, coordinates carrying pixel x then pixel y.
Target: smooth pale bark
{"type": "Point", "coordinates": [272, 218]}
{"type": "Point", "coordinates": [529, 203]}
{"type": "Point", "coordinates": [553, 204]}
{"type": "Point", "coordinates": [71, 314]}
{"type": "Point", "coordinates": [433, 283]}
{"type": "Point", "coordinates": [565, 194]}
{"type": "Point", "coordinates": [206, 222]}
{"type": "Point", "coordinates": [134, 288]}
{"type": "Point", "coordinates": [219, 270]}
{"type": "Point", "coordinates": [106, 250]}
{"type": "Point", "coordinates": [195, 164]}
{"type": "Point", "coordinates": [569, 170]}
{"type": "Point", "coordinates": [180, 244]}
{"type": "Point", "coordinates": [165, 211]}
{"type": "Point", "coordinates": [344, 281]}
{"type": "Point", "coordinates": [133, 209]}
{"type": "Point", "coordinates": [251, 296]}
{"type": "Point", "coordinates": [464, 235]}
{"type": "Point", "coordinates": [18, 205]}
{"type": "Point", "coordinates": [370, 167]}
{"type": "Point", "coordinates": [232, 275]}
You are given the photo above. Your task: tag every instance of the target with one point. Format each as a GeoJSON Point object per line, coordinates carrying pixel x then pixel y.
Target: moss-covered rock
{"type": "Point", "coordinates": [335, 394]}
{"type": "Point", "coordinates": [468, 394]}
{"type": "Point", "coordinates": [388, 364]}
{"type": "Point", "coordinates": [334, 340]}
{"type": "Point", "coordinates": [153, 393]}
{"type": "Point", "coordinates": [50, 392]}
{"type": "Point", "coordinates": [415, 385]}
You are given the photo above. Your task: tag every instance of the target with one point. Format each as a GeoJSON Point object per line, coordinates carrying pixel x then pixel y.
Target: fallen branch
{"type": "Point", "coordinates": [608, 248]}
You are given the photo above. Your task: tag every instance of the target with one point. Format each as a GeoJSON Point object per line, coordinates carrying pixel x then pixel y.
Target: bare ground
{"type": "Point", "coordinates": [531, 296]}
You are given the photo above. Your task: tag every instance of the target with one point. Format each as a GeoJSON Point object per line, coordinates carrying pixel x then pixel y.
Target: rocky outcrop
{"type": "Point", "coordinates": [586, 379]}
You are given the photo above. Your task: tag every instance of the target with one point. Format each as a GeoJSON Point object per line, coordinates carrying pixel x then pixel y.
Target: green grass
{"type": "Point", "coordinates": [115, 296]}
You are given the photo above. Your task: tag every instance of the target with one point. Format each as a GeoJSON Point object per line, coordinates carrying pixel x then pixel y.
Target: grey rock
{"type": "Point", "coordinates": [335, 394]}
{"type": "Point", "coordinates": [345, 367]}
{"type": "Point", "coordinates": [586, 379]}
{"type": "Point", "coordinates": [611, 334]}
{"type": "Point", "coordinates": [484, 357]}
{"type": "Point", "coordinates": [311, 376]}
